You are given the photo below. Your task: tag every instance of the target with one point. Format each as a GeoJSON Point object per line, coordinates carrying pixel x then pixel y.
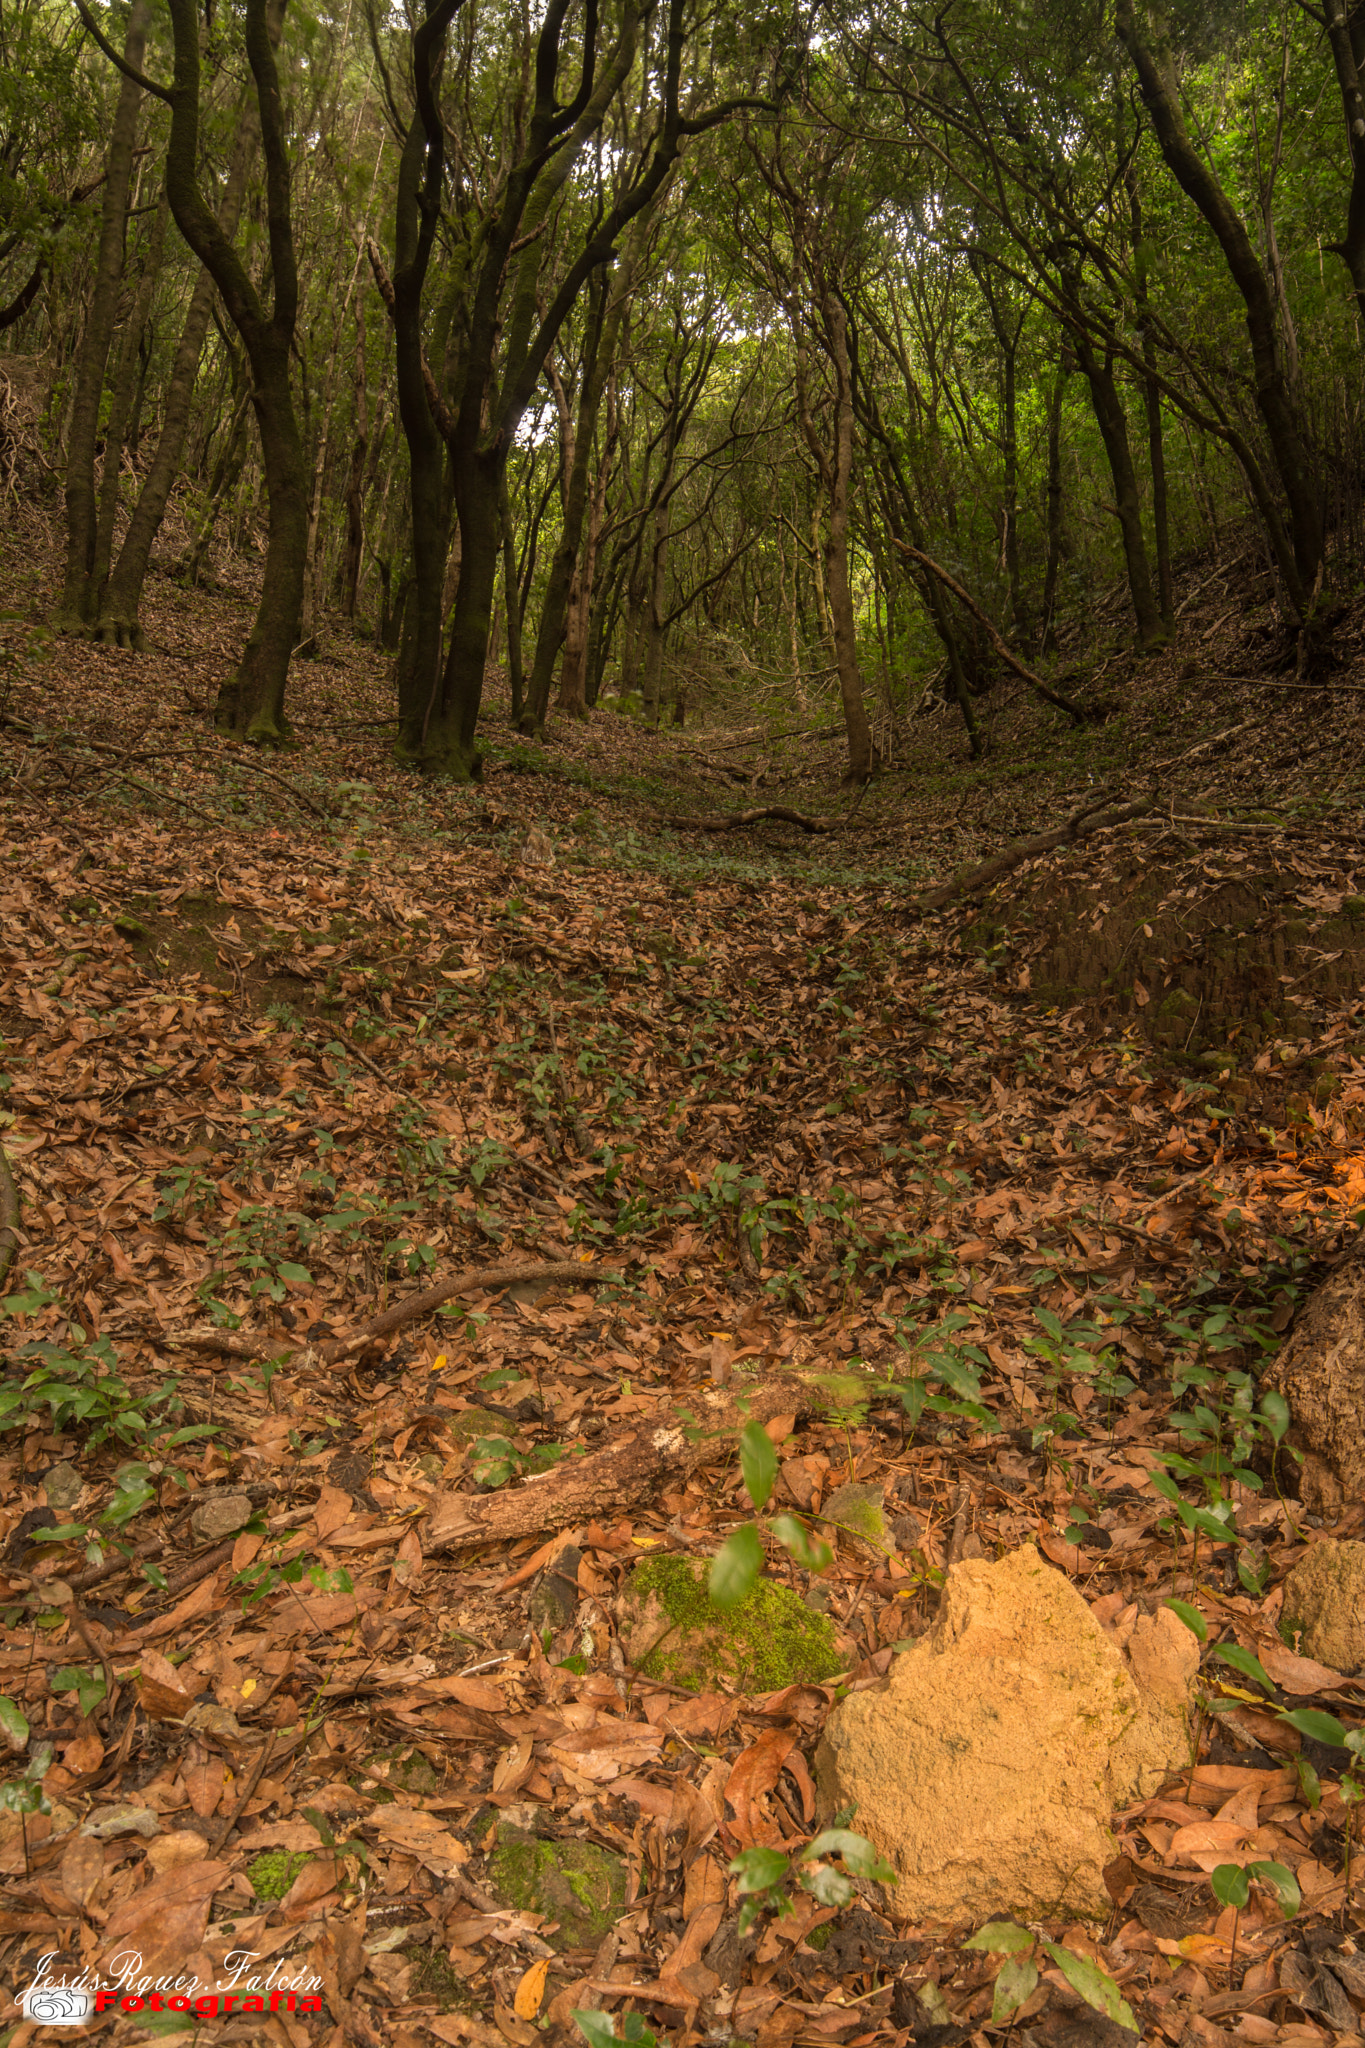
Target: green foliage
{"type": "Point", "coordinates": [1018, 1980]}
{"type": "Point", "coordinates": [764, 1876]}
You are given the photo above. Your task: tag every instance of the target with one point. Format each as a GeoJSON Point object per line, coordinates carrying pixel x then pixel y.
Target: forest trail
{"type": "Point", "coordinates": [287, 1038]}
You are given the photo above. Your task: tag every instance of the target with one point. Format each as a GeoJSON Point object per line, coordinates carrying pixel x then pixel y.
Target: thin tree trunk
{"type": "Point", "coordinates": [76, 609]}
{"type": "Point", "coordinates": [355, 479]}
{"type": "Point", "coordinates": [1048, 631]}
{"type": "Point", "coordinates": [1113, 425]}
{"type": "Point", "coordinates": [126, 384]}
{"type": "Point", "coordinates": [512, 601]}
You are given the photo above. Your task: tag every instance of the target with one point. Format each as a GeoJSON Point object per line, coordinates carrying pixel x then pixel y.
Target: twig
{"type": "Point", "coordinates": [219, 1834]}
{"type": "Point", "coordinates": [470, 1280]}
{"type": "Point", "coordinates": [9, 1215]}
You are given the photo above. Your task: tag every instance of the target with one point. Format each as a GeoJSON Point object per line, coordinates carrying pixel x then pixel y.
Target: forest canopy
{"type": "Point", "coordinates": [633, 348]}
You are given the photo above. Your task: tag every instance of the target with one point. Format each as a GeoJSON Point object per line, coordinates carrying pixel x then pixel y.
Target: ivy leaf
{"type": "Point", "coordinates": [1095, 1985]}
{"type": "Point", "coordinates": [758, 1463]}
{"type": "Point", "coordinates": [1016, 1983]}
{"type": "Point", "coordinates": [1276, 1878]}
{"type": "Point", "coordinates": [1192, 1618]}
{"type": "Point", "coordinates": [1243, 1661]}
{"type": "Point", "coordinates": [736, 1566]}
{"type": "Point", "coordinates": [809, 1550]}
{"type": "Point", "coordinates": [1002, 1938]}
{"type": "Point", "coordinates": [1317, 1726]}
{"type": "Point", "coordinates": [758, 1869]}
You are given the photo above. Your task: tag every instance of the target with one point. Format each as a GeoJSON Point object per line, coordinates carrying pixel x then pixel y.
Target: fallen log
{"type": "Point", "coordinates": [666, 1447]}
{"type": "Point", "coordinates": [971, 881]}
{"type": "Point", "coordinates": [722, 823]}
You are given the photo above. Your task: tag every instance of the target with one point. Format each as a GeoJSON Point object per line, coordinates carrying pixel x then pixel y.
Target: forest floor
{"type": "Point", "coordinates": [286, 1040]}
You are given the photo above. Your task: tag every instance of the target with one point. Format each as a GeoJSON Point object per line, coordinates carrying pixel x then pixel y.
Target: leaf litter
{"type": "Point", "coordinates": [296, 1048]}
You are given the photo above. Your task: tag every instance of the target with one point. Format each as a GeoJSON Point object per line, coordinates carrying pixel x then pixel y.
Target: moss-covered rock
{"type": "Point", "coordinates": [857, 1510]}
{"type": "Point", "coordinates": [271, 1875]}
{"type": "Point", "coordinates": [671, 1630]}
{"type": "Point", "coordinates": [575, 1883]}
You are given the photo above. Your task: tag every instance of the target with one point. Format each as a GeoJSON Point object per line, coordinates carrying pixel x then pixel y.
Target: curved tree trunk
{"type": "Point", "coordinates": [121, 413]}
{"type": "Point", "coordinates": [76, 610]}
{"type": "Point", "coordinates": [1161, 96]}
{"type": "Point", "coordinates": [251, 702]}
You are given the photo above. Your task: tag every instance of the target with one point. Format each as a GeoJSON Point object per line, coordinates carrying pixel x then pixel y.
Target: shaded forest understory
{"type": "Point", "coordinates": [289, 1039]}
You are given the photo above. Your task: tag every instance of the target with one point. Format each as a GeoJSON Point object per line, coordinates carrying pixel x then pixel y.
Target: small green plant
{"type": "Point", "coordinates": [599, 2030]}
{"type": "Point", "coordinates": [1232, 1884]}
{"type": "Point", "coordinates": [494, 1460]}
{"type": "Point", "coordinates": [764, 1876]}
{"type": "Point", "coordinates": [736, 1565]}
{"type": "Point", "coordinates": [78, 1385]}
{"type": "Point", "coordinates": [266, 1575]}
{"type": "Point", "coordinates": [1018, 1978]}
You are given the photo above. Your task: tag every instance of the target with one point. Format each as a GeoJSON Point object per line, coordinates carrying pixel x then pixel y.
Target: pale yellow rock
{"type": "Point", "coordinates": [987, 1769]}
{"type": "Point", "coordinates": [1324, 1606]}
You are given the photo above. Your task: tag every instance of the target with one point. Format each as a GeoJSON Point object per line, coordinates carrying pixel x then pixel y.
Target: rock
{"type": "Point", "coordinates": [538, 850]}
{"type": "Point", "coordinates": [554, 1602]}
{"type": "Point", "coordinates": [62, 1487]}
{"type": "Point", "coordinates": [575, 1883]}
{"type": "Point", "coordinates": [670, 1630]}
{"type": "Point", "coordinates": [1163, 1657]}
{"type": "Point", "coordinates": [857, 1511]}
{"type": "Point", "coordinates": [987, 1768]}
{"type": "Point", "coordinates": [222, 1515]}
{"type": "Point", "coordinates": [1324, 1606]}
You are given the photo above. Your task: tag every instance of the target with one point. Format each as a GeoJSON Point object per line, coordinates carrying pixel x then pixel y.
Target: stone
{"type": "Point", "coordinates": [221, 1515]}
{"type": "Point", "coordinates": [576, 1884]}
{"type": "Point", "coordinates": [988, 1766]}
{"type": "Point", "coordinates": [857, 1511]}
{"type": "Point", "coordinates": [554, 1603]}
{"type": "Point", "coordinates": [62, 1487]}
{"type": "Point", "coordinates": [670, 1630]}
{"type": "Point", "coordinates": [1324, 1606]}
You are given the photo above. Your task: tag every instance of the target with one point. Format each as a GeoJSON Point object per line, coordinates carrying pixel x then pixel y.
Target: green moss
{"type": "Point", "coordinates": [769, 1640]}
{"type": "Point", "coordinates": [575, 1883]}
{"type": "Point", "coordinates": [272, 1874]}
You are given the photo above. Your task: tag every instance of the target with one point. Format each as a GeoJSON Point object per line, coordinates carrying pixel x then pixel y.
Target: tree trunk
{"type": "Point", "coordinates": [835, 467]}
{"type": "Point", "coordinates": [511, 591]}
{"type": "Point", "coordinates": [448, 739]}
{"type": "Point", "coordinates": [1346, 34]}
{"type": "Point", "coordinates": [349, 580]}
{"type": "Point", "coordinates": [1161, 96]}
{"type": "Point", "coordinates": [118, 618]}
{"type": "Point", "coordinates": [122, 395]}
{"type": "Point", "coordinates": [77, 608]}
{"type": "Point", "coordinates": [1047, 637]}
{"type": "Point", "coordinates": [1113, 425]}
{"type": "Point", "coordinates": [251, 702]}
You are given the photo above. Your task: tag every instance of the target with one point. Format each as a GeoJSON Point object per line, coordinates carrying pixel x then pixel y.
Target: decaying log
{"type": "Point", "coordinates": [664, 1447]}
{"type": "Point", "coordinates": [1321, 1373]}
